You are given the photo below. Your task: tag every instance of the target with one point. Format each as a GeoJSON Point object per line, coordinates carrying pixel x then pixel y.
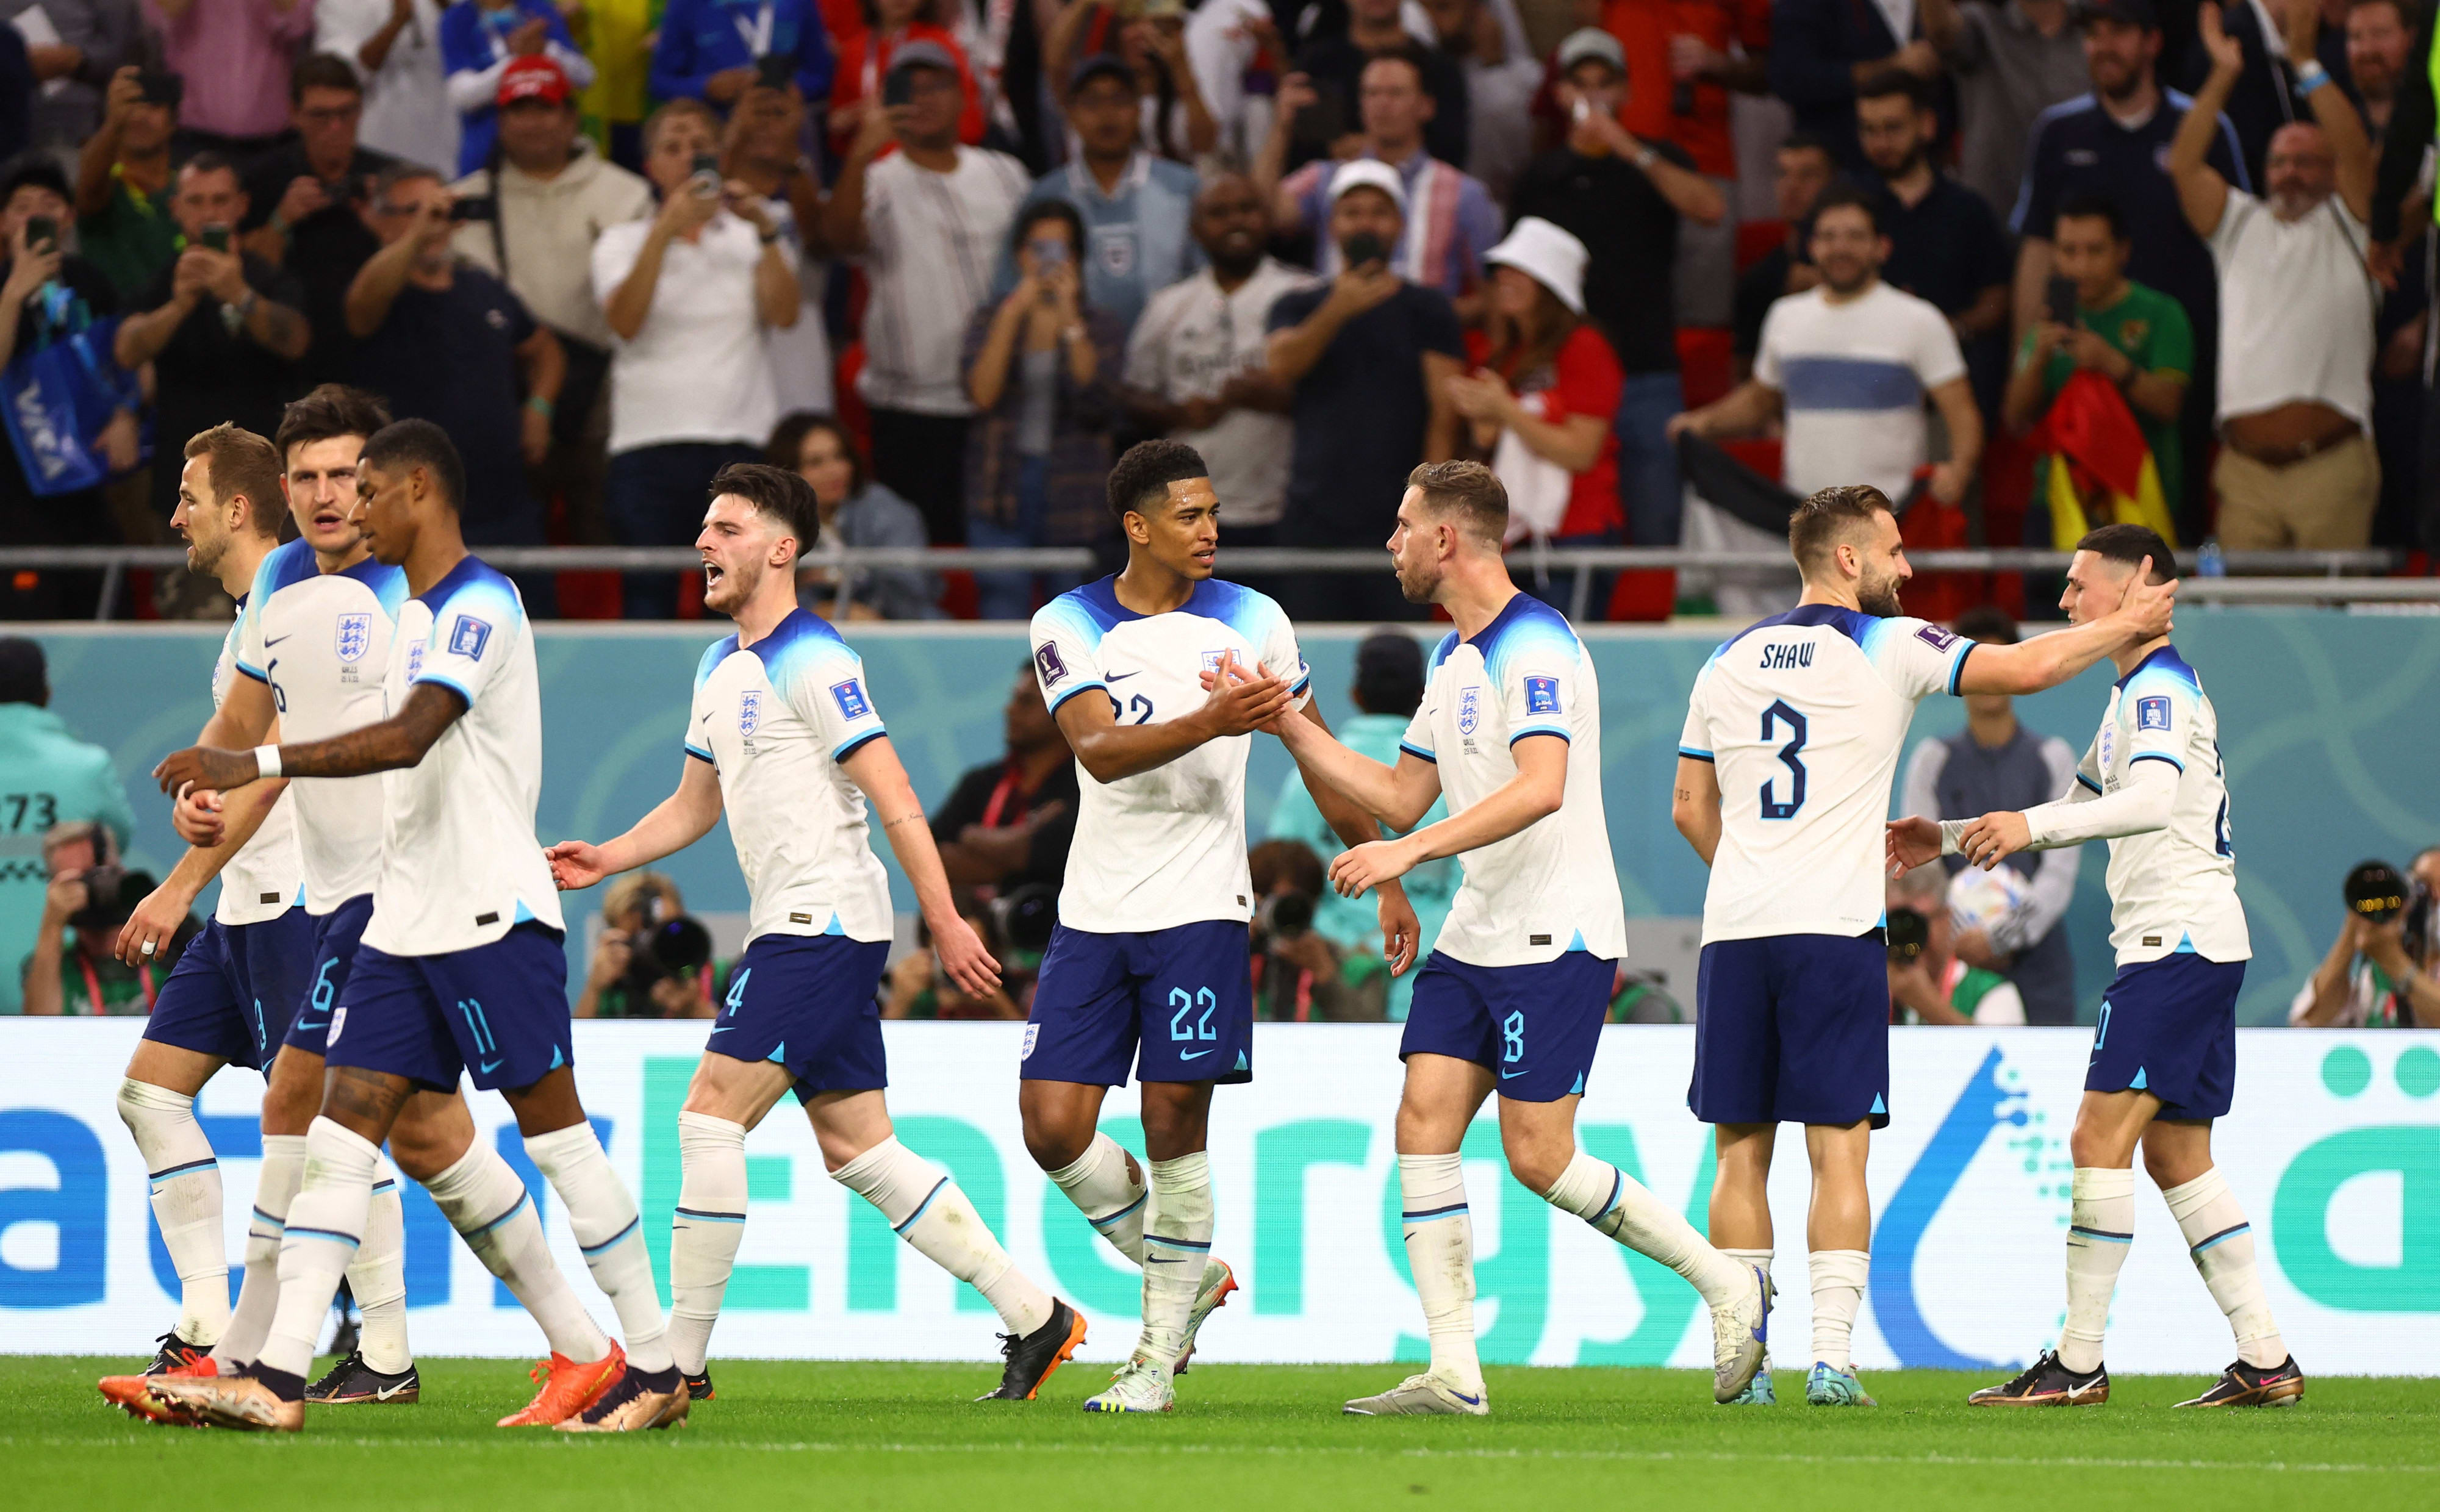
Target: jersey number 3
{"type": "Point", "coordinates": [1771, 807]}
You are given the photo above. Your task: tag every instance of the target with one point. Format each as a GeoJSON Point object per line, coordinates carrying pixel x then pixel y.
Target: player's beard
{"type": "Point", "coordinates": [204, 557]}
{"type": "Point", "coordinates": [1418, 585]}
{"type": "Point", "coordinates": [730, 592]}
{"type": "Point", "coordinates": [1880, 597]}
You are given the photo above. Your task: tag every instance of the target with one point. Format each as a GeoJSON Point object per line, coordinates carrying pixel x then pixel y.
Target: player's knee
{"type": "Point", "coordinates": [289, 1104]}
{"type": "Point", "coordinates": [1538, 1163]}
{"type": "Point", "coordinates": [141, 1104]}
{"type": "Point", "coordinates": [423, 1151]}
{"type": "Point", "coordinates": [1054, 1148]}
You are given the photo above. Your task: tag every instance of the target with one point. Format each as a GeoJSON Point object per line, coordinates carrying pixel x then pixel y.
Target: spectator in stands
{"type": "Point", "coordinates": [2114, 142]}
{"type": "Point", "coordinates": [710, 49]}
{"type": "Point", "coordinates": [478, 40]}
{"type": "Point", "coordinates": [1135, 205]}
{"type": "Point", "coordinates": [762, 148]}
{"type": "Point", "coordinates": [2269, 92]}
{"type": "Point", "coordinates": [619, 983]}
{"type": "Point", "coordinates": [64, 780]}
{"type": "Point", "coordinates": [223, 330]}
{"type": "Point", "coordinates": [2136, 337]}
{"type": "Point", "coordinates": [1541, 398]}
{"type": "Point", "coordinates": [1821, 49]}
{"type": "Point", "coordinates": [1171, 120]}
{"type": "Point", "coordinates": [686, 295]}
{"type": "Point", "coordinates": [855, 512]}
{"type": "Point", "coordinates": [1299, 974]}
{"type": "Point", "coordinates": [1197, 369]}
{"type": "Point", "coordinates": [1848, 365]}
{"type": "Point", "coordinates": [531, 221]}
{"type": "Point", "coordinates": [1625, 199]}
{"type": "Point", "coordinates": [2380, 57]}
{"type": "Point", "coordinates": [1345, 349]}
{"type": "Point", "coordinates": [1007, 824]}
{"type": "Point", "coordinates": [1804, 168]}
{"type": "Point", "coordinates": [2380, 42]}
{"type": "Point", "coordinates": [124, 186]}
{"type": "Point", "coordinates": [857, 87]}
{"type": "Point", "coordinates": [394, 46]}
{"type": "Point", "coordinates": [928, 221]}
{"type": "Point", "coordinates": [450, 343]}
{"type": "Point", "coordinates": [1706, 50]}
{"type": "Point", "coordinates": [2297, 467]}
{"type": "Point", "coordinates": [1933, 984]}
{"type": "Point", "coordinates": [1503, 76]}
{"type": "Point", "coordinates": [48, 293]}
{"type": "Point", "coordinates": [2374, 976]}
{"type": "Point", "coordinates": [92, 39]}
{"type": "Point", "coordinates": [1329, 76]}
{"type": "Point", "coordinates": [1945, 246]}
{"type": "Point", "coordinates": [1450, 221]}
{"type": "Point", "coordinates": [919, 987]}
{"type": "Point", "coordinates": [1996, 763]}
{"type": "Point", "coordinates": [235, 56]}
{"type": "Point", "coordinates": [1043, 370]}
{"type": "Point", "coordinates": [1388, 688]}
{"type": "Point", "coordinates": [2009, 62]}
{"type": "Point", "coordinates": [83, 976]}
{"type": "Point", "coordinates": [305, 200]}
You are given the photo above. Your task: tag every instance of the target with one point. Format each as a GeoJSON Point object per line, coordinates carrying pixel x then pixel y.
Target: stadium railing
{"type": "Point", "coordinates": [2252, 577]}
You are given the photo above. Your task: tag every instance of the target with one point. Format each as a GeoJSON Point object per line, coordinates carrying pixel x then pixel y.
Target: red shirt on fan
{"type": "Point", "coordinates": [863, 60]}
{"type": "Point", "coordinates": [1584, 379]}
{"type": "Point", "coordinates": [1644, 28]}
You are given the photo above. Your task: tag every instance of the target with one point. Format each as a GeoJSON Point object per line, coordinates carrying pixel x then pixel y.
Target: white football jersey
{"type": "Point", "coordinates": [1550, 888]}
{"type": "Point", "coordinates": [265, 878]}
{"type": "Point", "coordinates": [460, 866]}
{"type": "Point", "coordinates": [775, 719]}
{"type": "Point", "coordinates": [1167, 846]}
{"type": "Point", "coordinates": [1802, 714]}
{"type": "Point", "coordinates": [321, 641]}
{"type": "Point", "coordinates": [2171, 889]}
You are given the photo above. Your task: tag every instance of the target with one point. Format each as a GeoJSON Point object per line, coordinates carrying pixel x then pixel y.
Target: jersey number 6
{"type": "Point", "coordinates": [1771, 807]}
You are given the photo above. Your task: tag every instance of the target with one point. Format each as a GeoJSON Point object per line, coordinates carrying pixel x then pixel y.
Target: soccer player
{"type": "Point", "coordinates": [461, 968]}
{"type": "Point", "coordinates": [783, 733]}
{"type": "Point", "coordinates": [1516, 990]}
{"type": "Point", "coordinates": [1148, 960]}
{"type": "Point", "coordinates": [317, 622]}
{"type": "Point", "coordinates": [1783, 771]}
{"type": "Point", "coordinates": [2164, 1055]}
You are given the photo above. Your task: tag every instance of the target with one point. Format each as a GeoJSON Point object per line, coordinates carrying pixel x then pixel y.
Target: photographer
{"type": "Point", "coordinates": [1299, 974]}
{"type": "Point", "coordinates": [90, 894]}
{"type": "Point", "coordinates": [1928, 984]}
{"type": "Point", "coordinates": [650, 961]}
{"type": "Point", "coordinates": [302, 201]}
{"type": "Point", "coordinates": [2378, 972]}
{"type": "Point", "coordinates": [1007, 823]}
{"type": "Point", "coordinates": [919, 987]}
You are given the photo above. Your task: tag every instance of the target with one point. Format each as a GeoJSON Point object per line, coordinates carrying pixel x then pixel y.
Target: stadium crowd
{"type": "Point", "coordinates": [2034, 265]}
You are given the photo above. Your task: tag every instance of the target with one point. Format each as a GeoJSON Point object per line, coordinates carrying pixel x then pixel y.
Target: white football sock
{"type": "Point", "coordinates": [610, 1232]}
{"type": "Point", "coordinates": [2101, 1231]}
{"type": "Point", "coordinates": [186, 1180]}
{"type": "Point", "coordinates": [1177, 1240]}
{"type": "Point", "coordinates": [2221, 1243]}
{"type": "Point", "coordinates": [258, 1294]}
{"type": "Point", "coordinates": [1759, 1260]}
{"type": "Point", "coordinates": [324, 1225]}
{"type": "Point", "coordinates": [1440, 1254]}
{"type": "Point", "coordinates": [1111, 1200]}
{"type": "Point", "coordinates": [931, 1211]}
{"type": "Point", "coordinates": [487, 1204]}
{"type": "Point", "coordinates": [1838, 1278]}
{"type": "Point", "coordinates": [378, 1277]}
{"type": "Point", "coordinates": [1619, 1206]}
{"type": "Point", "coordinates": [705, 1231]}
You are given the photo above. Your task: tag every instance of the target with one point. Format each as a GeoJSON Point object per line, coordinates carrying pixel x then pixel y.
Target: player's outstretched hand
{"type": "Point", "coordinates": [2149, 605]}
{"type": "Point", "coordinates": [962, 955]}
{"type": "Point", "coordinates": [1401, 931]}
{"type": "Point", "coordinates": [1242, 703]}
{"type": "Point", "coordinates": [575, 865]}
{"type": "Point", "coordinates": [1912, 842]}
{"type": "Point", "coordinates": [1994, 838]}
{"type": "Point", "coordinates": [144, 939]}
{"type": "Point", "coordinates": [1370, 865]}
{"type": "Point", "coordinates": [202, 766]}
{"type": "Point", "coordinates": [196, 817]}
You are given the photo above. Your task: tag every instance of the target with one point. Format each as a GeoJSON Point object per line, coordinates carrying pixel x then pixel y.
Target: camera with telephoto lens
{"type": "Point", "coordinates": [1285, 916]}
{"type": "Point", "coordinates": [1908, 935]}
{"type": "Point", "coordinates": [111, 894]}
{"type": "Point", "coordinates": [2376, 892]}
{"type": "Point", "coordinates": [672, 948]}
{"type": "Point", "coordinates": [1025, 916]}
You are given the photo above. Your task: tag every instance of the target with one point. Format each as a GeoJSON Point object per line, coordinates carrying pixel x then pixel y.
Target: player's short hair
{"type": "Point", "coordinates": [328, 412]}
{"type": "Point", "coordinates": [1829, 516]}
{"type": "Point", "coordinates": [2131, 544]}
{"type": "Point", "coordinates": [239, 462]}
{"type": "Point", "coordinates": [2090, 205]}
{"type": "Point", "coordinates": [778, 492]}
{"type": "Point", "coordinates": [1142, 477]}
{"type": "Point", "coordinates": [322, 70]}
{"type": "Point", "coordinates": [1847, 196]}
{"type": "Point", "coordinates": [1470, 491]}
{"type": "Point", "coordinates": [1987, 624]}
{"type": "Point", "coordinates": [404, 445]}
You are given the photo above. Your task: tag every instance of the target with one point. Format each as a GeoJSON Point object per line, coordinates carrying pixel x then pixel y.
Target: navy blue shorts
{"type": "Point", "coordinates": [810, 1003]}
{"type": "Point", "coordinates": [498, 1011]}
{"type": "Point", "coordinates": [1185, 993]}
{"type": "Point", "coordinates": [336, 937]}
{"type": "Point", "coordinates": [2168, 1027]}
{"type": "Point", "coordinates": [1792, 1029]}
{"type": "Point", "coordinates": [1537, 1025]}
{"type": "Point", "coordinates": [235, 990]}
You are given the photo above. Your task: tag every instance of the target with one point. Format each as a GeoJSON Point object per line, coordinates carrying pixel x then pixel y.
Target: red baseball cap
{"type": "Point", "coordinates": [533, 78]}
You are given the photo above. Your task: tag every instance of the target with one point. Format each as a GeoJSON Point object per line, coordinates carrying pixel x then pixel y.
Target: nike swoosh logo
{"type": "Point", "coordinates": [1504, 1075]}
{"type": "Point", "coordinates": [723, 1029]}
{"type": "Point", "coordinates": [1161, 1259]}
{"type": "Point", "coordinates": [316, 1023]}
{"type": "Point", "coordinates": [387, 1391]}
{"type": "Point", "coordinates": [1113, 677]}
{"type": "Point", "coordinates": [1193, 1055]}
{"type": "Point", "coordinates": [490, 1066]}
{"type": "Point", "coordinates": [1470, 1401]}
{"type": "Point", "coordinates": [273, 641]}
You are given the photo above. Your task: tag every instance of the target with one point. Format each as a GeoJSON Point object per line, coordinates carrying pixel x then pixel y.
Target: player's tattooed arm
{"type": "Point", "coordinates": [399, 741]}
{"type": "Point", "coordinates": [1694, 806]}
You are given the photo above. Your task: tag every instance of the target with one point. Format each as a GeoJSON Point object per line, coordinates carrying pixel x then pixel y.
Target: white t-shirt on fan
{"type": "Point", "coordinates": [2296, 309]}
{"type": "Point", "coordinates": [697, 369]}
{"type": "Point", "coordinates": [1854, 376]}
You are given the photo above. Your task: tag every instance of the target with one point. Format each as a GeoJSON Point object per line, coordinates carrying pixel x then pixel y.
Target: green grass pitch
{"type": "Point", "coordinates": [852, 1436]}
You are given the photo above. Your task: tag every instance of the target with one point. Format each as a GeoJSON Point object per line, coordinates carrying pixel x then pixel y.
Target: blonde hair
{"type": "Point", "coordinates": [636, 893]}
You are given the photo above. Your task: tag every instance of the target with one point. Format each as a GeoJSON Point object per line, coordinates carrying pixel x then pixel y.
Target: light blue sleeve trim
{"type": "Point", "coordinates": [1541, 729]}
{"type": "Point", "coordinates": [2096, 787]}
{"type": "Point", "coordinates": [2156, 756]}
{"type": "Point", "coordinates": [700, 754]}
{"type": "Point", "coordinates": [257, 673]}
{"type": "Point", "coordinates": [1415, 751]}
{"type": "Point", "coordinates": [1304, 681]}
{"type": "Point", "coordinates": [856, 743]}
{"type": "Point", "coordinates": [1697, 755]}
{"type": "Point", "coordinates": [1957, 668]}
{"type": "Point", "coordinates": [1081, 687]}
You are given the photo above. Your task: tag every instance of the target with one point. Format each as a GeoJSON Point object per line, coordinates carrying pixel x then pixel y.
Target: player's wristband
{"type": "Point", "coordinates": [266, 762]}
{"type": "Point", "coordinates": [2310, 77]}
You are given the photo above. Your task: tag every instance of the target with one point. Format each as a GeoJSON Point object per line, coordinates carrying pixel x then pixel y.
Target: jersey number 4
{"type": "Point", "coordinates": [1771, 807]}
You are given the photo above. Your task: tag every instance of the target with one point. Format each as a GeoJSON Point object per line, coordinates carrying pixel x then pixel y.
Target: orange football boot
{"type": "Point", "coordinates": [567, 1388]}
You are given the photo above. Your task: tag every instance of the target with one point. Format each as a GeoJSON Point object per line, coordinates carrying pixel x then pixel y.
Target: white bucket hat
{"type": "Point", "coordinates": [1369, 172]}
{"type": "Point", "coordinates": [1549, 256]}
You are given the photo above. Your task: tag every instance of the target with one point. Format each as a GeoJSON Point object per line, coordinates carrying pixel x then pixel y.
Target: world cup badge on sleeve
{"type": "Point", "coordinates": [2152, 714]}
{"type": "Point", "coordinates": [1046, 657]}
{"type": "Point", "coordinates": [1541, 695]}
{"type": "Point", "coordinates": [468, 636]}
{"type": "Point", "coordinates": [355, 637]}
